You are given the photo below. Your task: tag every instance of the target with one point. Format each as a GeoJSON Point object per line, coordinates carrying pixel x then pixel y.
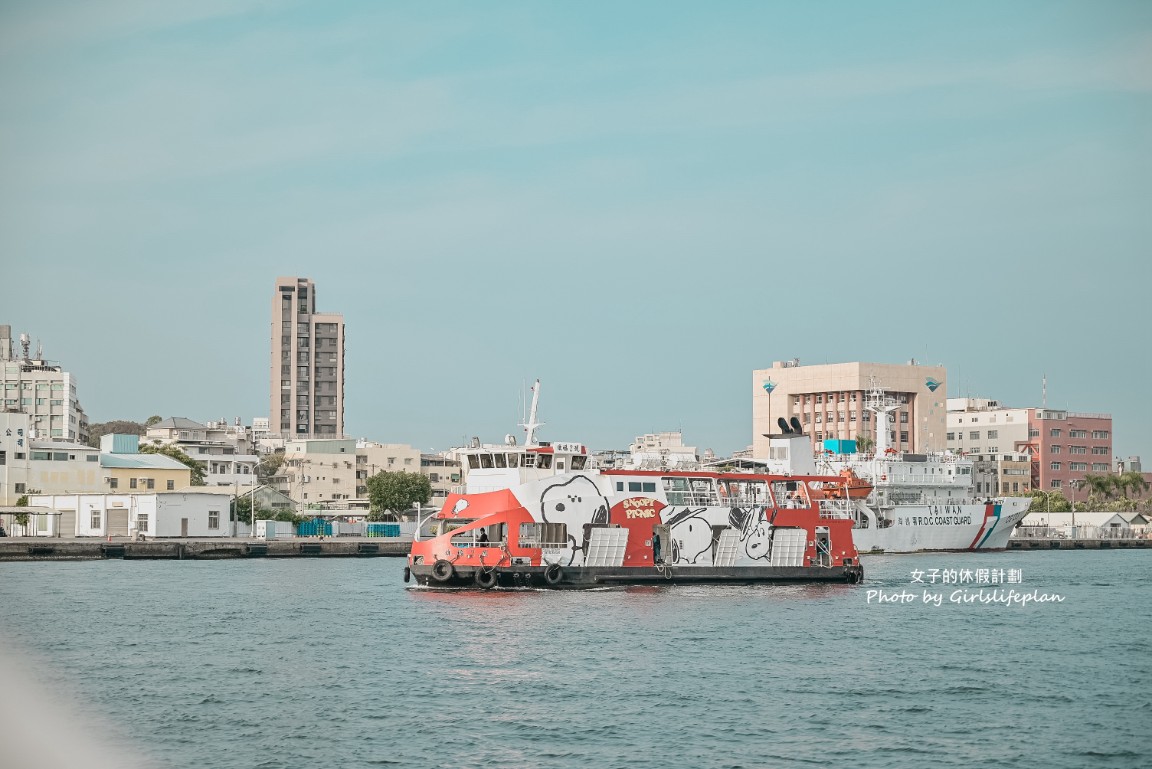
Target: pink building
{"type": "Point", "coordinates": [1066, 446]}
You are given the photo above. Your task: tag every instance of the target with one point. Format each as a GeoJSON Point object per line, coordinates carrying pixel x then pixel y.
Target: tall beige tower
{"type": "Point", "coordinates": [307, 371]}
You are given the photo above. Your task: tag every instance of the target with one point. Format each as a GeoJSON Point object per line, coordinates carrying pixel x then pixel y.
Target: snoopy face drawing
{"type": "Point", "coordinates": [692, 535]}
{"type": "Point", "coordinates": [575, 502]}
{"type": "Point", "coordinates": [755, 532]}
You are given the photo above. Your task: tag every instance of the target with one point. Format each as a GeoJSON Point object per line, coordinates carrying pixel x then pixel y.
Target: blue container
{"type": "Point", "coordinates": [382, 530]}
{"type": "Point", "coordinates": [317, 527]}
{"type": "Point", "coordinates": [838, 446]}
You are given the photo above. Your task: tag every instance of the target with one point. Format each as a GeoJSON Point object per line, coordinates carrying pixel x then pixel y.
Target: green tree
{"type": "Point", "coordinates": [242, 510]}
{"type": "Point", "coordinates": [155, 418]}
{"type": "Point", "coordinates": [21, 518]}
{"type": "Point", "coordinates": [1132, 483]}
{"type": "Point", "coordinates": [1049, 501]}
{"type": "Point", "coordinates": [864, 444]}
{"type": "Point", "coordinates": [171, 451]}
{"type": "Point", "coordinates": [1099, 485]}
{"type": "Point", "coordinates": [269, 466]}
{"type": "Point", "coordinates": [395, 493]}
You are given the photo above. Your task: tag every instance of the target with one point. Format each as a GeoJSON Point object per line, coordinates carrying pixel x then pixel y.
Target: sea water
{"type": "Point", "coordinates": [336, 663]}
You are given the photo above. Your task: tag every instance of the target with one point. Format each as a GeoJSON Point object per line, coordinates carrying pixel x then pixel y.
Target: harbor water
{"type": "Point", "coordinates": [993, 659]}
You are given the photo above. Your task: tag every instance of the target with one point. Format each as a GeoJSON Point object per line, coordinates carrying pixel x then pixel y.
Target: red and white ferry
{"type": "Point", "coordinates": [540, 515]}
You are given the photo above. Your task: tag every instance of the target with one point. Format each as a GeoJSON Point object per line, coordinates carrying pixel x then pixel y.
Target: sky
{"type": "Point", "coordinates": [638, 203]}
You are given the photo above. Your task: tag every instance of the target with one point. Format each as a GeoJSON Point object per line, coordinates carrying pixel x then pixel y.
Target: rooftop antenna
{"type": "Point", "coordinates": [25, 343]}
{"type": "Point", "coordinates": [1044, 392]}
{"type": "Point", "coordinates": [530, 424]}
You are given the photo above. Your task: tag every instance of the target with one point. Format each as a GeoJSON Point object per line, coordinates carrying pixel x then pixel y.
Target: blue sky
{"type": "Point", "coordinates": [639, 203]}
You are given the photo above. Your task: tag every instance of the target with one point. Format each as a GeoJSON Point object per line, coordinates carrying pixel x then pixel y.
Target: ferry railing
{"type": "Point", "coordinates": [835, 508]}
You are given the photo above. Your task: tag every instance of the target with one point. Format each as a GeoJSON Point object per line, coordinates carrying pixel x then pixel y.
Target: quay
{"type": "Point", "coordinates": [1096, 543]}
{"type": "Point", "coordinates": [87, 549]}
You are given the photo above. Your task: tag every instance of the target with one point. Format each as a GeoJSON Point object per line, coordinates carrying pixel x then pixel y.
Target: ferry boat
{"type": "Point", "coordinates": [539, 515]}
{"type": "Point", "coordinates": [902, 502]}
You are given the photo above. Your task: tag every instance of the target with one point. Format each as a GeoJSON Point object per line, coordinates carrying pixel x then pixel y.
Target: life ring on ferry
{"type": "Point", "coordinates": [485, 579]}
{"type": "Point", "coordinates": [883, 477]}
{"type": "Point", "coordinates": [553, 574]}
{"type": "Point", "coordinates": [442, 570]}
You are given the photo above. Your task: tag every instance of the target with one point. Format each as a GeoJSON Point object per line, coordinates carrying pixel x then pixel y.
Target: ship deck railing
{"type": "Point", "coordinates": [836, 508]}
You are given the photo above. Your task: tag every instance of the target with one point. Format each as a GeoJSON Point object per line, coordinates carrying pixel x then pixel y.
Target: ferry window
{"type": "Point", "coordinates": [529, 460]}
{"type": "Point", "coordinates": [790, 494]}
{"type": "Point", "coordinates": [650, 487]}
{"type": "Point", "coordinates": [578, 462]}
{"type": "Point", "coordinates": [633, 486]}
{"type": "Point", "coordinates": [501, 460]}
{"type": "Point", "coordinates": [543, 535]}
{"type": "Point", "coordinates": [473, 461]}
{"type": "Point", "coordinates": [676, 489]}
{"type": "Point", "coordinates": [619, 485]}
{"type": "Point", "coordinates": [513, 460]}
{"type": "Point", "coordinates": [544, 461]}
{"type": "Point", "coordinates": [486, 460]}
{"type": "Point", "coordinates": [560, 465]}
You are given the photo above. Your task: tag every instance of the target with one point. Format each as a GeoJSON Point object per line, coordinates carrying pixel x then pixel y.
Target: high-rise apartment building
{"type": "Point", "coordinates": [41, 389]}
{"type": "Point", "coordinates": [829, 400]}
{"type": "Point", "coordinates": [307, 372]}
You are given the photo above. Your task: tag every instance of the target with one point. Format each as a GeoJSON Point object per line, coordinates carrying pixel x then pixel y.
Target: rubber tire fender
{"type": "Point", "coordinates": [443, 571]}
{"type": "Point", "coordinates": [553, 574]}
{"type": "Point", "coordinates": [485, 579]}
{"type": "Point", "coordinates": [407, 574]}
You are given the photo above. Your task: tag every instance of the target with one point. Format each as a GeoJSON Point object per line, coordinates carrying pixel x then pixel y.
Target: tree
{"type": "Point", "coordinates": [864, 444]}
{"type": "Point", "coordinates": [1131, 483]}
{"type": "Point", "coordinates": [171, 451]}
{"type": "Point", "coordinates": [155, 418]}
{"type": "Point", "coordinates": [21, 518]}
{"type": "Point", "coordinates": [242, 510]}
{"type": "Point", "coordinates": [395, 493]}
{"type": "Point", "coordinates": [1049, 501]}
{"type": "Point", "coordinates": [1099, 485]}
{"type": "Point", "coordinates": [268, 466]}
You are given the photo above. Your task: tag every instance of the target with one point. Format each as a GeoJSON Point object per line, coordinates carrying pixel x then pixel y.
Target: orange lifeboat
{"type": "Point", "coordinates": [852, 487]}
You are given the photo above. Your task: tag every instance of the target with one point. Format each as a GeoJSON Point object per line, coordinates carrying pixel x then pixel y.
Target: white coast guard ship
{"type": "Point", "coordinates": [903, 502]}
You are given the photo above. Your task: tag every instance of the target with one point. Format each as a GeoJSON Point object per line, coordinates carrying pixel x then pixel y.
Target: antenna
{"type": "Point", "coordinates": [530, 424]}
{"type": "Point", "coordinates": [1044, 392]}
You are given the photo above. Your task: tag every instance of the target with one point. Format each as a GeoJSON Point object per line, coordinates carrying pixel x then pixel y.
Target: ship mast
{"type": "Point", "coordinates": [530, 424]}
{"type": "Point", "coordinates": [880, 404]}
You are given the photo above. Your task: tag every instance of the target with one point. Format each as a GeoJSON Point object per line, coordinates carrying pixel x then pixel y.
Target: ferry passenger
{"type": "Point", "coordinates": [655, 548]}
{"type": "Point", "coordinates": [483, 537]}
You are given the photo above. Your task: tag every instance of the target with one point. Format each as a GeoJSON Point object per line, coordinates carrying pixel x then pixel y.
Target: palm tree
{"type": "Point", "coordinates": [1100, 485]}
{"type": "Point", "coordinates": [1130, 481]}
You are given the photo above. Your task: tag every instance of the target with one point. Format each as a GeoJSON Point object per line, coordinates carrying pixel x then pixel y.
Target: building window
{"type": "Point", "coordinates": [1101, 451]}
{"type": "Point", "coordinates": [1101, 434]}
{"type": "Point", "coordinates": [95, 519]}
{"type": "Point", "coordinates": [903, 436]}
{"type": "Point", "coordinates": [974, 435]}
{"type": "Point", "coordinates": [171, 485]}
{"type": "Point", "coordinates": [213, 519]}
{"type": "Point", "coordinates": [951, 436]}
{"type": "Point", "coordinates": [903, 417]}
{"type": "Point", "coordinates": [131, 483]}
{"type": "Point", "coordinates": [113, 483]}
{"type": "Point", "coordinates": [1055, 483]}
{"type": "Point", "coordinates": [1055, 449]}
{"type": "Point", "coordinates": [1077, 433]}
{"type": "Point", "coordinates": [1077, 449]}
{"type": "Point", "coordinates": [142, 522]}
{"type": "Point", "coordinates": [1100, 467]}
{"type": "Point", "coordinates": [993, 433]}
{"type": "Point", "coordinates": [19, 488]}
{"type": "Point", "coordinates": [1054, 432]}
{"type": "Point", "coordinates": [1054, 466]}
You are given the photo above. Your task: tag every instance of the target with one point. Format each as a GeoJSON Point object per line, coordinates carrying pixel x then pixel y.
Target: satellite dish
{"type": "Point", "coordinates": [509, 440]}
{"type": "Point", "coordinates": [784, 428]}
